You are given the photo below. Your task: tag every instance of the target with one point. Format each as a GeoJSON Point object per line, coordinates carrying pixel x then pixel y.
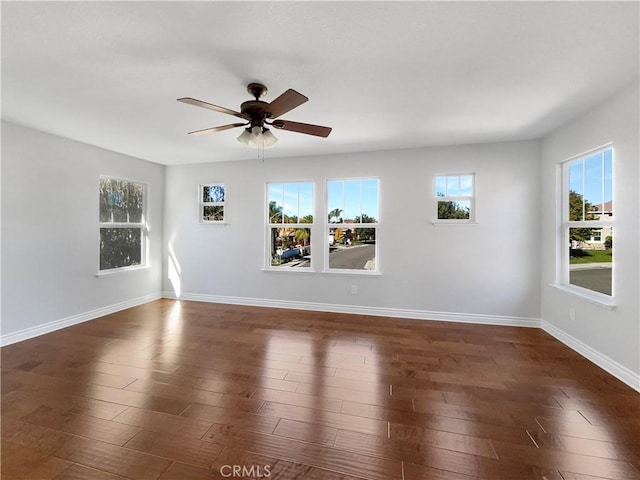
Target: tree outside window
{"type": "Point", "coordinates": [121, 223]}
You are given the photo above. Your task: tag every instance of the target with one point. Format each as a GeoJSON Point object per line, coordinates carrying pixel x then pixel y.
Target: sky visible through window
{"type": "Point", "coordinates": [454, 185]}
{"type": "Point", "coordinates": [591, 177]}
{"type": "Point", "coordinates": [295, 198]}
{"type": "Point", "coordinates": [354, 198]}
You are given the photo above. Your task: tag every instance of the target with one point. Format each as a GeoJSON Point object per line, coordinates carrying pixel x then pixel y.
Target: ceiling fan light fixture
{"type": "Point", "coordinates": [257, 137]}
{"type": "Point", "coordinates": [245, 137]}
{"type": "Point", "coordinates": [268, 138]}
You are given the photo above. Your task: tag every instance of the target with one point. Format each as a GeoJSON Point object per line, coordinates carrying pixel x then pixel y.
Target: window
{"type": "Point", "coordinates": [289, 222]}
{"type": "Point", "coordinates": [121, 223]}
{"type": "Point", "coordinates": [212, 203]}
{"type": "Point", "coordinates": [455, 197]}
{"type": "Point", "coordinates": [587, 222]}
{"type": "Point", "coordinates": [352, 211]}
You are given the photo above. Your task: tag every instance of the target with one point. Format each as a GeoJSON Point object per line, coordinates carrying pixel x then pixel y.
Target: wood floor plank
{"type": "Point", "coordinates": [312, 395]}
{"type": "Point", "coordinates": [112, 459]}
{"type": "Point", "coordinates": [297, 399]}
{"type": "Point", "coordinates": [326, 419]}
{"type": "Point", "coordinates": [82, 425]}
{"type": "Point", "coordinates": [181, 471]}
{"type": "Point", "coordinates": [43, 439]}
{"type": "Point", "coordinates": [181, 449]}
{"type": "Point", "coordinates": [220, 416]}
{"type": "Point", "coordinates": [570, 462]}
{"type": "Point", "coordinates": [433, 457]}
{"type": "Point", "coordinates": [21, 462]}
{"type": "Point", "coordinates": [307, 432]}
{"type": "Point", "coordinates": [275, 467]}
{"type": "Point", "coordinates": [328, 458]}
{"type": "Point", "coordinates": [163, 423]}
{"type": "Point", "coordinates": [446, 440]}
{"type": "Point", "coordinates": [80, 472]}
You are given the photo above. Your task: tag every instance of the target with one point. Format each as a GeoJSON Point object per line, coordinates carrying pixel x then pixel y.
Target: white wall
{"type": "Point", "coordinates": [610, 337]}
{"type": "Point", "coordinates": [489, 269]}
{"type": "Point", "coordinates": [50, 232]}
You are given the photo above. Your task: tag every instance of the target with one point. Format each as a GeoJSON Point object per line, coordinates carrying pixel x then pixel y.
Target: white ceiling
{"type": "Point", "coordinates": [384, 75]}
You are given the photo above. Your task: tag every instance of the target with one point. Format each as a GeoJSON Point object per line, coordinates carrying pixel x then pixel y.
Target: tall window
{"type": "Point", "coordinates": [122, 229]}
{"type": "Point", "coordinates": [289, 222]}
{"type": "Point", "coordinates": [455, 198]}
{"type": "Point", "coordinates": [587, 226]}
{"type": "Point", "coordinates": [352, 210]}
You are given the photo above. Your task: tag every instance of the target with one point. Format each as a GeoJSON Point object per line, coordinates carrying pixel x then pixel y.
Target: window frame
{"type": "Point", "coordinates": [142, 225]}
{"type": "Point", "coordinates": [328, 226]}
{"type": "Point", "coordinates": [455, 198]}
{"type": "Point", "coordinates": [269, 225]}
{"type": "Point", "coordinates": [202, 204]}
{"type": "Point", "coordinates": [566, 224]}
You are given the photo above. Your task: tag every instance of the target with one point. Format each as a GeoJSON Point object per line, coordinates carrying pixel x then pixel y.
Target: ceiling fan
{"type": "Point", "coordinates": [259, 114]}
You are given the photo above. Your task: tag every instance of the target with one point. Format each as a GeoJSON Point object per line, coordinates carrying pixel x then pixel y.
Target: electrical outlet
{"type": "Point", "coordinates": [572, 314]}
{"type": "Point", "coordinates": [354, 289]}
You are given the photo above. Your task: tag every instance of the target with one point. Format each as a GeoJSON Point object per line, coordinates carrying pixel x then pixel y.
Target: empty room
{"type": "Point", "coordinates": [320, 240]}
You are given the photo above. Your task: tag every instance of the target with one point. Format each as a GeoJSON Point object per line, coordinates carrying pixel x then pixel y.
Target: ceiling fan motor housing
{"type": "Point", "coordinates": [255, 111]}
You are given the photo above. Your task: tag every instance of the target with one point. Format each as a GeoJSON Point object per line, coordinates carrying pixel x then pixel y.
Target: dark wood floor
{"type": "Point", "coordinates": [186, 390]}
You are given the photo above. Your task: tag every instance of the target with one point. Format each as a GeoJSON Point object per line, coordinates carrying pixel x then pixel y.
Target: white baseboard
{"type": "Point", "coordinates": [621, 372]}
{"type": "Point", "coordinates": [363, 310]}
{"type": "Point", "coordinates": [31, 332]}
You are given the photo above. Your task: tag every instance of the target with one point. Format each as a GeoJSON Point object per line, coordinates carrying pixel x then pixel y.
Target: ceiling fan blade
{"type": "Point", "coordinates": [217, 129]}
{"type": "Point", "coordinates": [210, 106]}
{"type": "Point", "coordinates": [316, 130]}
{"type": "Point", "coordinates": [285, 102]}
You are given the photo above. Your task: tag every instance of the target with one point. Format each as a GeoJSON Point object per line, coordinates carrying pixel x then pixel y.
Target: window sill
{"type": "Point", "coordinates": [103, 273]}
{"type": "Point", "coordinates": [364, 273]}
{"type": "Point", "coordinates": [600, 300]}
{"type": "Point", "coordinates": [289, 269]}
{"type": "Point", "coordinates": [452, 223]}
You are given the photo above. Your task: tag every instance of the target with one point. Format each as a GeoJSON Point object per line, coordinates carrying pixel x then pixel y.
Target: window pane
{"type": "Point", "coordinates": [593, 186]}
{"type": "Point", "coordinates": [335, 201]}
{"type": "Point", "coordinates": [120, 247]}
{"type": "Point", "coordinates": [448, 210]}
{"type": "Point", "coordinates": [441, 186]}
{"type": "Point", "coordinates": [105, 200]}
{"type": "Point", "coordinates": [213, 213]}
{"type": "Point", "coordinates": [453, 187]}
{"type": "Point", "coordinates": [608, 183]}
{"type": "Point", "coordinates": [290, 247]}
{"type": "Point", "coordinates": [590, 262]}
{"type": "Point", "coordinates": [466, 185]}
{"type": "Point", "coordinates": [290, 203]}
{"type": "Point", "coordinates": [276, 202]}
{"type": "Point", "coordinates": [352, 200]}
{"type": "Point", "coordinates": [306, 203]}
{"type": "Point", "coordinates": [120, 201]}
{"type": "Point", "coordinates": [576, 190]}
{"type": "Point", "coordinates": [369, 201]}
{"type": "Point", "coordinates": [213, 193]}
{"type": "Point", "coordinates": [352, 249]}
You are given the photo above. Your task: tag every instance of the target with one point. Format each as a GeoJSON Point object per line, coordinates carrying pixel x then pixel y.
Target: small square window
{"type": "Point", "coordinates": [455, 197]}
